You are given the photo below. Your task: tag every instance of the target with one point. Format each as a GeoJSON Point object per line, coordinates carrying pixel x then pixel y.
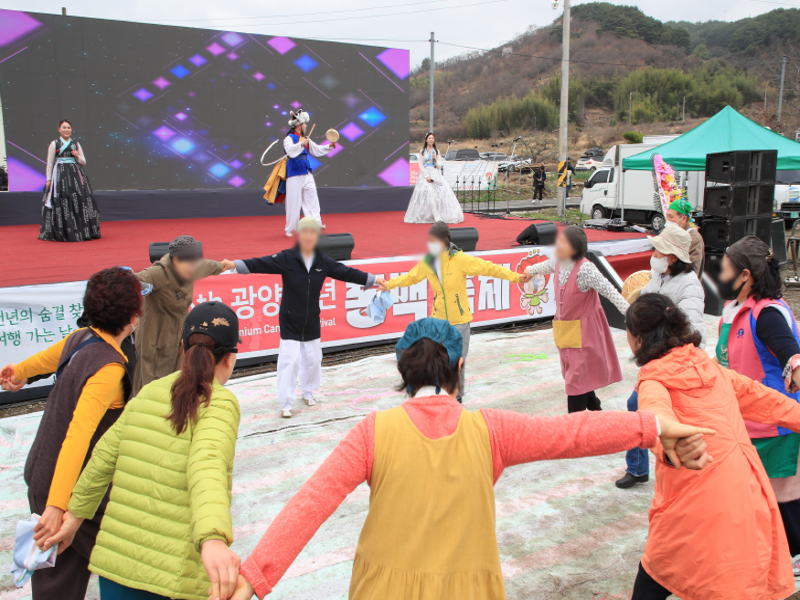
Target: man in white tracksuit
{"type": "Point", "coordinates": [301, 190]}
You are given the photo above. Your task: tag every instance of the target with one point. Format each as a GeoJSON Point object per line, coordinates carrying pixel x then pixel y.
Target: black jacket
{"type": "Point", "coordinates": [299, 314]}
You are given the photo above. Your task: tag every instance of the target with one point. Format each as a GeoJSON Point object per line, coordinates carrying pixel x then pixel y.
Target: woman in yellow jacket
{"type": "Point", "coordinates": [446, 268]}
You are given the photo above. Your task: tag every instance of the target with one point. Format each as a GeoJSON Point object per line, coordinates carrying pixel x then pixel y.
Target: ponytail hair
{"type": "Point", "coordinates": [659, 326]}
{"type": "Point", "coordinates": [193, 387]}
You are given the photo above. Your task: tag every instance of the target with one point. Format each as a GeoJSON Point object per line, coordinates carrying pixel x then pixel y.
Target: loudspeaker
{"type": "Point", "coordinates": [713, 303]}
{"type": "Point", "coordinates": [465, 238]}
{"type": "Point", "coordinates": [713, 263]}
{"type": "Point", "coordinates": [613, 316]}
{"type": "Point", "coordinates": [732, 202]}
{"type": "Point", "coordinates": [158, 249]}
{"type": "Point", "coordinates": [742, 167]}
{"type": "Point", "coordinates": [339, 246]}
{"type": "Point", "coordinates": [719, 234]}
{"type": "Point", "coordinates": [779, 241]}
{"type": "Point", "coordinates": [538, 234]}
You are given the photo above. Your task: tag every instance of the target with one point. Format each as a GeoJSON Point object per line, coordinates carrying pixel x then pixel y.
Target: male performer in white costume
{"type": "Point", "coordinates": [301, 190]}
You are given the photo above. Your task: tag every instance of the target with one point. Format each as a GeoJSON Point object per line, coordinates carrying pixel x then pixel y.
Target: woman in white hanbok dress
{"type": "Point", "coordinates": [432, 200]}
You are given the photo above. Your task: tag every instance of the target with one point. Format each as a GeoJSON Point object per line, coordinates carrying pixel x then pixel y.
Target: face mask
{"type": "Point", "coordinates": [727, 291]}
{"type": "Point", "coordinates": [659, 265]}
{"type": "Point", "coordinates": [435, 248]}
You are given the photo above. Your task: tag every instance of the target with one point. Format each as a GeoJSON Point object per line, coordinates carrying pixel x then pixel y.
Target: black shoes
{"type": "Point", "coordinates": [628, 481]}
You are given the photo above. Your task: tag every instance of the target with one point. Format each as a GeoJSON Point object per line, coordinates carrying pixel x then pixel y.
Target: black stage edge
{"type": "Point", "coordinates": [25, 208]}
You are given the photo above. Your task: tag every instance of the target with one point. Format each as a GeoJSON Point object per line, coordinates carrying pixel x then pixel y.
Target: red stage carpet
{"type": "Point", "coordinates": [30, 261]}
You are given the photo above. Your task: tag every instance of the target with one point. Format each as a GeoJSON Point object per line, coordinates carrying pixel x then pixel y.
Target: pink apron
{"type": "Point", "coordinates": [588, 357]}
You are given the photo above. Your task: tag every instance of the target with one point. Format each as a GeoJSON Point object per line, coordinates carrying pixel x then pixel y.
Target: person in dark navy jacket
{"type": "Point", "coordinates": [301, 189]}
{"type": "Point", "coordinates": [304, 270]}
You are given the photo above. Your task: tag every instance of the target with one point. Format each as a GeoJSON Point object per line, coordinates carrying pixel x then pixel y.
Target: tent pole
{"type": "Point", "coordinates": [780, 96]}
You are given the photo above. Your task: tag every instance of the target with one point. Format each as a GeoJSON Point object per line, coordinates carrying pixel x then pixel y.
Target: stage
{"type": "Point", "coordinates": [31, 261]}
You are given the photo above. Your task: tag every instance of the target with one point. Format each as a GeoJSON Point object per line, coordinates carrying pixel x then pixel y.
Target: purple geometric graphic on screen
{"type": "Point", "coordinates": [246, 66]}
{"type": "Point", "coordinates": [219, 170]}
{"type": "Point", "coordinates": [179, 71]}
{"type": "Point", "coordinates": [296, 104]}
{"type": "Point", "coordinates": [351, 100]}
{"type": "Point", "coordinates": [21, 177]}
{"type": "Point", "coordinates": [190, 94]}
{"type": "Point", "coordinates": [248, 155]}
{"type": "Point", "coordinates": [313, 162]}
{"type": "Point", "coordinates": [282, 44]}
{"type": "Point", "coordinates": [181, 116]}
{"type": "Point", "coordinates": [396, 61]}
{"type": "Point", "coordinates": [232, 55]}
{"type": "Point", "coordinates": [268, 123]}
{"type": "Point", "coordinates": [352, 131]}
{"type": "Point", "coordinates": [201, 157]}
{"type": "Point", "coordinates": [143, 95]}
{"type": "Point", "coordinates": [372, 117]}
{"type": "Point", "coordinates": [236, 164]}
{"type": "Point", "coordinates": [258, 76]}
{"type": "Point", "coordinates": [306, 63]}
{"type": "Point", "coordinates": [276, 106]}
{"type": "Point", "coordinates": [335, 151]}
{"type": "Point", "coordinates": [182, 145]}
{"type": "Point", "coordinates": [215, 49]}
{"type": "Point", "coordinates": [197, 60]}
{"type": "Point", "coordinates": [162, 83]}
{"type": "Point", "coordinates": [271, 85]}
{"type": "Point", "coordinates": [396, 174]}
{"type": "Point", "coordinates": [163, 133]}
{"type": "Point", "coordinates": [237, 181]}
{"type": "Point", "coordinates": [14, 26]}
{"type": "Point", "coordinates": [232, 39]}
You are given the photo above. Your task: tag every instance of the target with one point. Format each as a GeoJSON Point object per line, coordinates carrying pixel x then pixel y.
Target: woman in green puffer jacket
{"type": "Point", "coordinates": [170, 459]}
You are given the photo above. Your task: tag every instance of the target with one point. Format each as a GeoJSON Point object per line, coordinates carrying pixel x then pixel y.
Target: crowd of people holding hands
{"type": "Point", "coordinates": [131, 469]}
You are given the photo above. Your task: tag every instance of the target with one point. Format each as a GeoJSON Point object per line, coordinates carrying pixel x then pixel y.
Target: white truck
{"type": "Point", "coordinates": [609, 192]}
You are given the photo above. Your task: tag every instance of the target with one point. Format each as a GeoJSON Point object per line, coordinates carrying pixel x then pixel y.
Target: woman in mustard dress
{"type": "Point", "coordinates": [431, 467]}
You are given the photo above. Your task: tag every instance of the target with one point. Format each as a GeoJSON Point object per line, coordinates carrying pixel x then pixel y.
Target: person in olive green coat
{"type": "Point", "coordinates": [158, 337]}
{"type": "Point", "coordinates": [167, 526]}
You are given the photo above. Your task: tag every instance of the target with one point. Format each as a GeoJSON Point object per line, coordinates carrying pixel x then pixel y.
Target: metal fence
{"type": "Point", "coordinates": [476, 195]}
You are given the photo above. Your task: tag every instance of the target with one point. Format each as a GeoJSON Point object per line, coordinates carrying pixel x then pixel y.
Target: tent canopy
{"type": "Point", "coordinates": [726, 131]}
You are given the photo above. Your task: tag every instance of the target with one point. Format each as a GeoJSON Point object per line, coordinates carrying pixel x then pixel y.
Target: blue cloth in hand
{"type": "Point", "coordinates": [27, 556]}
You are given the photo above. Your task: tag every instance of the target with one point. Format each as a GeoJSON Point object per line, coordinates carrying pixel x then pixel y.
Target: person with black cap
{"type": "Point", "coordinates": [304, 270]}
{"type": "Point", "coordinates": [170, 456]}
{"type": "Point", "coordinates": [758, 337]}
{"type": "Point", "coordinates": [158, 338]}
{"type": "Point", "coordinates": [446, 268]}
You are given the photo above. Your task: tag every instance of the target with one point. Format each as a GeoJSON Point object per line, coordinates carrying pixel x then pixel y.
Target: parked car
{"type": "Point", "coordinates": [463, 154]}
{"type": "Point", "coordinates": [589, 163]}
{"type": "Point", "coordinates": [494, 156]}
{"type": "Point", "coordinates": [515, 163]}
{"type": "Point", "coordinates": [787, 195]}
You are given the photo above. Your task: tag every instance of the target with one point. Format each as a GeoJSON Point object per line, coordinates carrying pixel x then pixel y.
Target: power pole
{"type": "Point", "coordinates": [684, 109]}
{"type": "Point", "coordinates": [433, 41]}
{"type": "Point", "coordinates": [563, 124]}
{"type": "Point", "coordinates": [630, 107]}
{"type": "Point", "coordinates": [780, 95]}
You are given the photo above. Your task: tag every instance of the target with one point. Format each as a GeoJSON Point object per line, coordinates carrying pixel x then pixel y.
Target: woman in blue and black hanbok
{"type": "Point", "coordinates": [70, 212]}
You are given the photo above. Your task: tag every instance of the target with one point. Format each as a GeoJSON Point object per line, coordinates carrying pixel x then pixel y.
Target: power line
{"type": "Point", "coordinates": [772, 2]}
{"type": "Point", "coordinates": [556, 58]}
{"type": "Point", "coordinates": [348, 10]}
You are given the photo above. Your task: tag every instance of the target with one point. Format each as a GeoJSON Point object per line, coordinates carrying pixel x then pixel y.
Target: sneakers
{"type": "Point", "coordinates": [309, 400]}
{"type": "Point", "coordinates": [323, 226]}
{"type": "Point", "coordinates": [289, 234]}
{"type": "Point", "coordinates": [628, 481]}
{"type": "Point", "coordinates": [287, 414]}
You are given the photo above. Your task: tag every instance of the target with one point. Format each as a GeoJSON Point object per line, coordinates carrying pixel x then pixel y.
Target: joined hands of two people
{"type": "Point", "coordinates": [8, 379]}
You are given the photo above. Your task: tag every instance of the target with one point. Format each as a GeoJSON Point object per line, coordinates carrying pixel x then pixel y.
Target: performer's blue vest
{"type": "Point", "coordinates": [300, 164]}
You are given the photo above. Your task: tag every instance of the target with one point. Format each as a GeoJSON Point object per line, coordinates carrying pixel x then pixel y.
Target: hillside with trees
{"type": "Point", "coordinates": [626, 68]}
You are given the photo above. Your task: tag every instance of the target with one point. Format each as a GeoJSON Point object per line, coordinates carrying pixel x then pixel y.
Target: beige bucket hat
{"type": "Point", "coordinates": [673, 240]}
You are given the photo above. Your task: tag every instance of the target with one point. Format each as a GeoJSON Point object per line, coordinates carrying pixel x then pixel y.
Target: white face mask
{"type": "Point", "coordinates": [659, 265]}
{"type": "Point", "coordinates": [435, 248]}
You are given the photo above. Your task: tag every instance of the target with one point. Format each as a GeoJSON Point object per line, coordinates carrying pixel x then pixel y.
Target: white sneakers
{"type": "Point", "coordinates": [289, 234]}
{"type": "Point", "coordinates": [309, 399]}
{"type": "Point", "coordinates": [287, 414]}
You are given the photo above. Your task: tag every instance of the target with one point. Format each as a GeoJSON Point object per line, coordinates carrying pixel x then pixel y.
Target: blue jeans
{"type": "Point", "coordinates": [637, 458]}
{"type": "Point", "coordinates": [111, 590]}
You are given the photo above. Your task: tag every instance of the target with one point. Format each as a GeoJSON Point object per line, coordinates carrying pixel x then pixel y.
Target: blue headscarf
{"type": "Point", "coordinates": [439, 331]}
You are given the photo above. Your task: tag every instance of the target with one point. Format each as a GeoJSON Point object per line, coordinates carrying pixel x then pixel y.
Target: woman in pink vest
{"type": "Point", "coordinates": [588, 357]}
{"type": "Point", "coordinates": [758, 337]}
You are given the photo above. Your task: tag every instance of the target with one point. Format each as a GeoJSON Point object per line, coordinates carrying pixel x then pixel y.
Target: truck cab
{"type": "Point", "coordinates": [596, 192]}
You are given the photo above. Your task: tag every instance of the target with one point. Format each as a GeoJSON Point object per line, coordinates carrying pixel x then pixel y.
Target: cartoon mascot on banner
{"type": "Point", "coordinates": [534, 292]}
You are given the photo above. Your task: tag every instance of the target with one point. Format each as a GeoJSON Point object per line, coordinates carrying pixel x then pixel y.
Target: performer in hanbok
{"type": "Point", "coordinates": [70, 212]}
{"type": "Point", "coordinates": [301, 189]}
{"type": "Point", "coordinates": [432, 200]}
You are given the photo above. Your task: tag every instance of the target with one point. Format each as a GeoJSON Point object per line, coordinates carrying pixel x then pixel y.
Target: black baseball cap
{"type": "Point", "coordinates": [216, 320]}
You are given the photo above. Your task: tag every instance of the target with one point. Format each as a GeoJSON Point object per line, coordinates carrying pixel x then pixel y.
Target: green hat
{"type": "Point", "coordinates": [681, 206]}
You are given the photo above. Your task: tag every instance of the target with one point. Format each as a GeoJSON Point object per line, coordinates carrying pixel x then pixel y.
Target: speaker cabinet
{"type": "Point", "coordinates": [158, 249]}
{"type": "Point", "coordinates": [465, 238]}
{"type": "Point", "coordinates": [731, 202]}
{"type": "Point", "coordinates": [742, 167]}
{"type": "Point", "coordinates": [713, 302]}
{"type": "Point", "coordinates": [719, 234]}
{"type": "Point", "coordinates": [538, 234]}
{"type": "Point", "coordinates": [339, 246]}
{"type": "Point", "coordinates": [713, 263]}
{"type": "Point", "coordinates": [779, 240]}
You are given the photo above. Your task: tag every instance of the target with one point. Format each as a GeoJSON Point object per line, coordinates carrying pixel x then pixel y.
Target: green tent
{"type": "Point", "coordinates": [727, 130]}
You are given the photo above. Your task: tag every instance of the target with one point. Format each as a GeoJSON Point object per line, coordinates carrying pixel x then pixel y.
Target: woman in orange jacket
{"type": "Point", "coordinates": [715, 533]}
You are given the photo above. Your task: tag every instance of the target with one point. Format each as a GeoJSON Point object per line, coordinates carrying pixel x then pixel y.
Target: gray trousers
{"type": "Point", "coordinates": [464, 330]}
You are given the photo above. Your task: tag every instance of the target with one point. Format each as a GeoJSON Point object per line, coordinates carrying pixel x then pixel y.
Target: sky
{"type": "Point", "coordinates": [396, 23]}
